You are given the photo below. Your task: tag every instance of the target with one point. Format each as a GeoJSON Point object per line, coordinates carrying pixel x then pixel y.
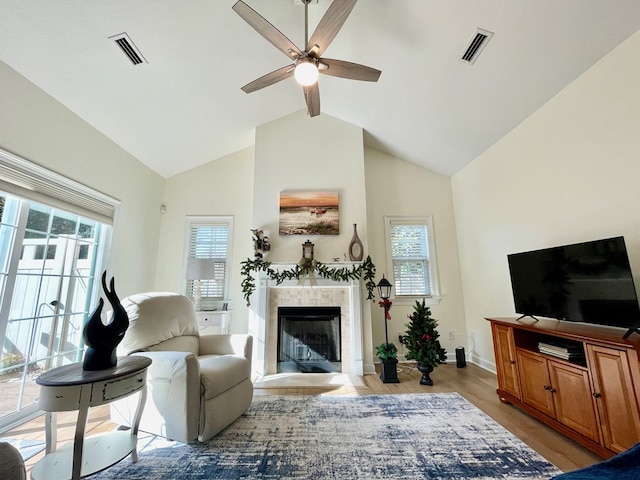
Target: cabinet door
{"type": "Point", "coordinates": [505, 351]}
{"type": "Point", "coordinates": [536, 385]}
{"type": "Point", "coordinates": [615, 397]}
{"type": "Point", "coordinates": [572, 399]}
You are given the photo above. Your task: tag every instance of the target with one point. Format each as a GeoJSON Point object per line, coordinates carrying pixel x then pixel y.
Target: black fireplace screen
{"type": "Point", "coordinates": [309, 339]}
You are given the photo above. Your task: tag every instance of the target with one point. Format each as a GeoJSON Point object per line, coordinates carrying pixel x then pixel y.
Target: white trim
{"type": "Point", "coordinates": [191, 220]}
{"type": "Point", "coordinates": [28, 180]}
{"type": "Point", "coordinates": [434, 298]}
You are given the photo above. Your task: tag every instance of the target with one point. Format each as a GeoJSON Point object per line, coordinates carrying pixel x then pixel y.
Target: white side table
{"type": "Point", "coordinates": [70, 388]}
{"type": "Point", "coordinates": [214, 321]}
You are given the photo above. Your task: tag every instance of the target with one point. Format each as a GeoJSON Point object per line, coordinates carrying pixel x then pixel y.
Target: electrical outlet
{"type": "Point", "coordinates": [452, 336]}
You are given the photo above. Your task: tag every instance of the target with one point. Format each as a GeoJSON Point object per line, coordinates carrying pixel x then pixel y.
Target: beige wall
{"type": "Point", "coordinates": [568, 173]}
{"type": "Point", "coordinates": [396, 187]}
{"type": "Point", "coordinates": [222, 187]}
{"type": "Point", "coordinates": [38, 128]}
{"type": "Point", "coordinates": [298, 152]}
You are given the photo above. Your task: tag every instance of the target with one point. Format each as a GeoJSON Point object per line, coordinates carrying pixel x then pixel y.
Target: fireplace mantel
{"type": "Point", "coordinates": [315, 291]}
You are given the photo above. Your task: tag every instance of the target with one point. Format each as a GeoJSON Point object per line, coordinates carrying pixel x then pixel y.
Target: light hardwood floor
{"type": "Point", "coordinates": [475, 384]}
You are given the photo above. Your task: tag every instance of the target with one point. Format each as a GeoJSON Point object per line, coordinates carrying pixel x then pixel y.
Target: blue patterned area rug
{"type": "Point", "coordinates": [411, 436]}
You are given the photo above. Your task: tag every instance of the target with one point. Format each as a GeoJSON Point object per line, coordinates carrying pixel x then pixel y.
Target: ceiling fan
{"type": "Point", "coordinates": [307, 63]}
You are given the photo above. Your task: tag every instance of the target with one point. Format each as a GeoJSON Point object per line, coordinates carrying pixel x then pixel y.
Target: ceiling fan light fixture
{"type": "Point", "coordinates": [306, 72]}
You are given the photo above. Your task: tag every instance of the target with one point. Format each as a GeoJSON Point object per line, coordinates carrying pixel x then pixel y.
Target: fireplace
{"type": "Point", "coordinates": [309, 339]}
{"type": "Point", "coordinates": [270, 297]}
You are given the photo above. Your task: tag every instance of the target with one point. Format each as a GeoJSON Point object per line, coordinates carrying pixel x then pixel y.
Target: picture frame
{"type": "Point", "coordinates": [314, 212]}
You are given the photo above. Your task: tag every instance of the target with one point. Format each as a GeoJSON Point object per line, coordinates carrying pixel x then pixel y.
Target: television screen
{"type": "Point", "coordinates": [587, 282]}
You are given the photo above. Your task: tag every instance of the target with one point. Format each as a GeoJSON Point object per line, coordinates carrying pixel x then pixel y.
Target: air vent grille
{"type": "Point", "coordinates": [127, 46]}
{"type": "Point", "coordinates": [477, 44]}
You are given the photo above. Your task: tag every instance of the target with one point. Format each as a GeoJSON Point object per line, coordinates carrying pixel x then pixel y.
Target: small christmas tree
{"type": "Point", "coordinates": [421, 339]}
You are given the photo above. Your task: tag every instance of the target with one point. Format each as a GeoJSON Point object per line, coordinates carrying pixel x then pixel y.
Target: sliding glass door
{"type": "Point", "coordinates": [50, 264]}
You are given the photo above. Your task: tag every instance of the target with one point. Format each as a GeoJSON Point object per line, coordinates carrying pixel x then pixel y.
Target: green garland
{"type": "Point", "coordinates": [365, 271]}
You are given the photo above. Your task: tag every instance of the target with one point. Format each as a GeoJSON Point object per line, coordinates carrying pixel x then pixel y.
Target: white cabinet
{"type": "Point", "coordinates": [214, 321]}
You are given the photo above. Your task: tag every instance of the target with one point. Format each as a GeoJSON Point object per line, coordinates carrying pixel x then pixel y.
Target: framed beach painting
{"type": "Point", "coordinates": [309, 213]}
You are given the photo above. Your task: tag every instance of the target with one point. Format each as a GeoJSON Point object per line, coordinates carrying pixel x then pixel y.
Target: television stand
{"type": "Point", "coordinates": [525, 316]}
{"type": "Point", "coordinates": [581, 380]}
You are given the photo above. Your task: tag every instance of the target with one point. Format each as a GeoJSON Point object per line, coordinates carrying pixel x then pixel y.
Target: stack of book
{"type": "Point", "coordinates": [566, 352]}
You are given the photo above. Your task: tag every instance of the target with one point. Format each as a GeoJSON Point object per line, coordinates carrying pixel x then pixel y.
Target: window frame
{"type": "Point", "coordinates": [70, 283]}
{"type": "Point", "coordinates": [209, 220]}
{"type": "Point", "coordinates": [427, 220]}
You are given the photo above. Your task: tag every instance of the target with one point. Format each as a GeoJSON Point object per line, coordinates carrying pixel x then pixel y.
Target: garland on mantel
{"type": "Point", "coordinates": [365, 271]}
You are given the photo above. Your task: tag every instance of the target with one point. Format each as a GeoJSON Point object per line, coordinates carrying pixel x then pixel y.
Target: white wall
{"type": "Point", "coordinates": [38, 128]}
{"type": "Point", "coordinates": [569, 173]}
{"type": "Point", "coordinates": [222, 187]}
{"type": "Point", "coordinates": [298, 152]}
{"type": "Point", "coordinates": [396, 187]}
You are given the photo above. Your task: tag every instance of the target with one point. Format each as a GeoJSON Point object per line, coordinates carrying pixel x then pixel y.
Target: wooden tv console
{"type": "Point", "coordinates": [592, 398]}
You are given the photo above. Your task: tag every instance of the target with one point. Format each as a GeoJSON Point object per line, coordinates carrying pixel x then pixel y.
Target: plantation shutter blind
{"type": "Point", "coordinates": [28, 180]}
{"type": "Point", "coordinates": [410, 256]}
{"type": "Point", "coordinates": [210, 240]}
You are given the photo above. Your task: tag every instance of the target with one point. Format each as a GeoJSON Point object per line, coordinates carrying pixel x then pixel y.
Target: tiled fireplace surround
{"type": "Point", "coordinates": [264, 318]}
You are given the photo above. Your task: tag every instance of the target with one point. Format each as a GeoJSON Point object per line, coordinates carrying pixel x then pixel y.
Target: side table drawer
{"type": "Point", "coordinates": [122, 387]}
{"type": "Point", "coordinates": [60, 399]}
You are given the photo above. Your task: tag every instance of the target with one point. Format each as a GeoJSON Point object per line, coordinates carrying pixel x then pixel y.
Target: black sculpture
{"type": "Point", "coordinates": [102, 339]}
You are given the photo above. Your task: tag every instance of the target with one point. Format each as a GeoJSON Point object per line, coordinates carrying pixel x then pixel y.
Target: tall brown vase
{"type": "Point", "coordinates": [356, 250]}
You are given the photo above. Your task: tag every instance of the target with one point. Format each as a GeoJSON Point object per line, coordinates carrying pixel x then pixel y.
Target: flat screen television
{"type": "Point", "coordinates": [589, 282]}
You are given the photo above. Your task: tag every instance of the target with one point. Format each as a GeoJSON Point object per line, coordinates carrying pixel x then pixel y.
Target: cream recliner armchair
{"type": "Point", "coordinates": [197, 385]}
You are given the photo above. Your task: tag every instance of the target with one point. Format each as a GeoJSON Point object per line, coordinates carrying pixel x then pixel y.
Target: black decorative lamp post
{"type": "Point", "coordinates": [388, 361]}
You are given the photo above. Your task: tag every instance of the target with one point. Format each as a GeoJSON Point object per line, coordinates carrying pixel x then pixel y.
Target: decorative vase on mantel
{"type": "Point", "coordinates": [426, 371]}
{"type": "Point", "coordinates": [356, 249]}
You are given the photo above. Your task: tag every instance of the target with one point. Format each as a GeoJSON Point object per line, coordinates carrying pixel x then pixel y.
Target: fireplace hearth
{"type": "Point", "coordinates": [309, 339]}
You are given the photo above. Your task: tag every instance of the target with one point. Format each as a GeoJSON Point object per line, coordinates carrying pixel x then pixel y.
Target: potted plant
{"type": "Point", "coordinates": [421, 342]}
{"type": "Point", "coordinates": [388, 355]}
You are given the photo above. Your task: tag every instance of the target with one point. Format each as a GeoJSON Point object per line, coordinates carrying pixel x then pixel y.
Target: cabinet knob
{"type": "Point", "coordinates": [549, 388]}
{"type": "Point", "coordinates": [512, 362]}
{"type": "Point", "coordinates": [596, 395]}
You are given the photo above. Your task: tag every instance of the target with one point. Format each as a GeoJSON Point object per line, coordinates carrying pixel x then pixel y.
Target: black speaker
{"type": "Point", "coordinates": [461, 362]}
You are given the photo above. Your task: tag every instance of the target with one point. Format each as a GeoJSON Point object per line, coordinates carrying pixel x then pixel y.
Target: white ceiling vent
{"type": "Point", "coordinates": [127, 46]}
{"type": "Point", "coordinates": [476, 45]}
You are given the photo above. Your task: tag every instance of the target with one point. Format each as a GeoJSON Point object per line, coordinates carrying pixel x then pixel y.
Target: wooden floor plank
{"type": "Point", "coordinates": [474, 383]}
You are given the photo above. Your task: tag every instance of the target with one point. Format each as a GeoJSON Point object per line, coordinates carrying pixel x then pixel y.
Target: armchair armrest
{"type": "Point", "coordinates": [174, 366]}
{"type": "Point", "coordinates": [232, 344]}
{"type": "Point", "coordinates": [173, 401]}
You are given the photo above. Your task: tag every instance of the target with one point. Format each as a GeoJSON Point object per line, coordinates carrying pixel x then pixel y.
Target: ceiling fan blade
{"type": "Point", "coordinates": [267, 30]}
{"type": "Point", "coordinates": [354, 71]}
{"type": "Point", "coordinates": [269, 79]}
{"type": "Point", "coordinates": [330, 25]}
{"type": "Point", "coordinates": [312, 97]}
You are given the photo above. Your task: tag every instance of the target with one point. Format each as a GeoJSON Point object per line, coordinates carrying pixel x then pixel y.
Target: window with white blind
{"type": "Point", "coordinates": [208, 239]}
{"type": "Point", "coordinates": [54, 243]}
{"type": "Point", "coordinates": [411, 255]}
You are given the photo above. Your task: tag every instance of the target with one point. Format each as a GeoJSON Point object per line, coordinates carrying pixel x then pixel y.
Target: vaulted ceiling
{"type": "Point", "coordinates": [183, 107]}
